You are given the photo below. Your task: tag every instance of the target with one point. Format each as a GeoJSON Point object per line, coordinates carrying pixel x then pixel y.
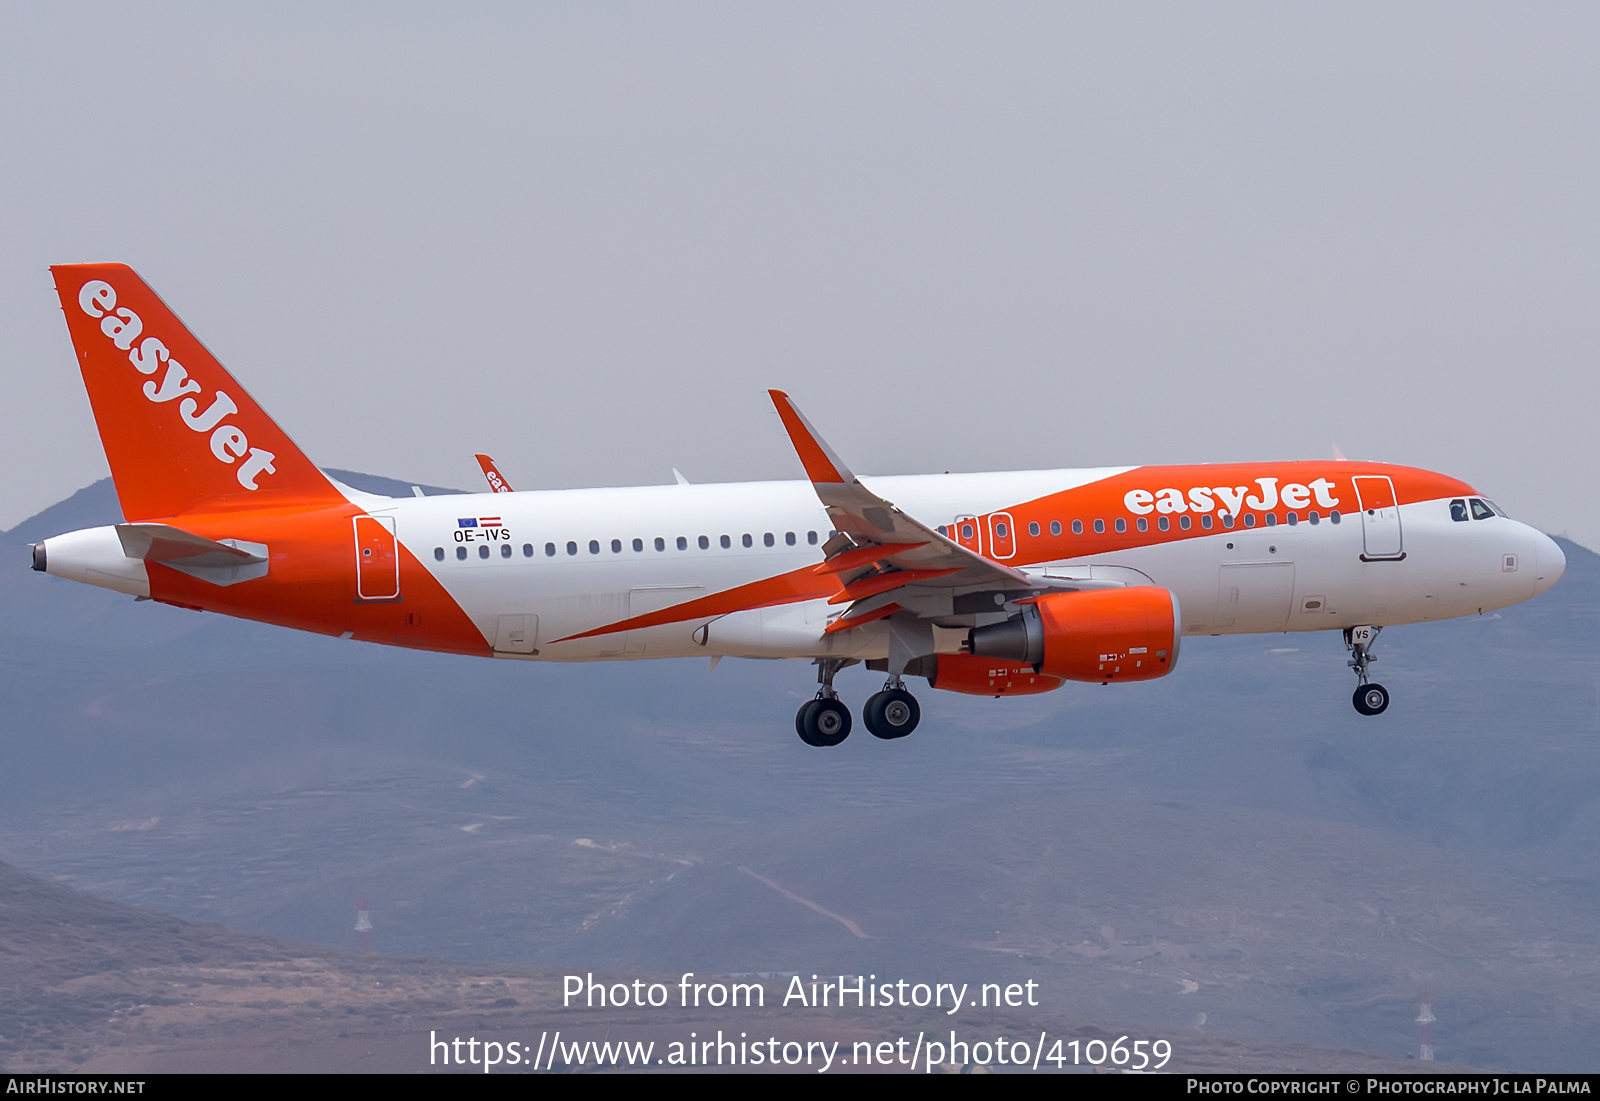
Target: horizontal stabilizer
{"type": "Point", "coordinates": [181, 549]}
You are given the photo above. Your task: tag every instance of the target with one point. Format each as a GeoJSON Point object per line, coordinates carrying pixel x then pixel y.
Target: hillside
{"type": "Point", "coordinates": [1230, 854]}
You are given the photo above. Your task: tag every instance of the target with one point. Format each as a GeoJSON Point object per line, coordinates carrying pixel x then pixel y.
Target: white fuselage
{"type": "Point", "coordinates": [1266, 579]}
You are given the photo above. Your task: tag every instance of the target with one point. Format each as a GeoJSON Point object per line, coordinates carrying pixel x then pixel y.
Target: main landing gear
{"type": "Point", "coordinates": [825, 721]}
{"type": "Point", "coordinates": [1369, 699]}
{"type": "Point", "coordinates": [892, 713]}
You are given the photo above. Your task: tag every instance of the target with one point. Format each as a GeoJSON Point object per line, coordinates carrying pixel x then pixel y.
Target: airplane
{"type": "Point", "coordinates": [995, 584]}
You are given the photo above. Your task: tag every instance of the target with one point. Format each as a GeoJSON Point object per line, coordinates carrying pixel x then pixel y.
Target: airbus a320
{"type": "Point", "coordinates": [995, 584]}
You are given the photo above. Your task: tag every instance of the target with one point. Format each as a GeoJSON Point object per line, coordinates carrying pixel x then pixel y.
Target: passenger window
{"type": "Point", "coordinates": [1293, 518]}
{"type": "Point", "coordinates": [1249, 519]}
{"type": "Point", "coordinates": [505, 550]}
{"type": "Point", "coordinates": [966, 531]}
{"type": "Point", "coordinates": [1122, 525]}
{"type": "Point", "coordinates": [638, 545]}
{"type": "Point", "coordinates": [438, 554]}
{"type": "Point", "coordinates": [1077, 527]}
{"type": "Point", "coordinates": [1142, 524]}
{"type": "Point", "coordinates": [1183, 522]}
{"type": "Point", "coordinates": [1481, 511]}
{"type": "Point", "coordinates": [726, 542]}
{"type": "Point", "coordinates": [1055, 527]}
{"type": "Point", "coordinates": [1458, 510]}
{"type": "Point", "coordinates": [1272, 519]}
{"type": "Point", "coordinates": [1000, 530]}
{"type": "Point", "coordinates": [483, 552]}
{"type": "Point", "coordinates": [1227, 519]}
{"type": "Point", "coordinates": [594, 546]}
{"type": "Point", "coordinates": [811, 537]}
{"type": "Point", "coordinates": [616, 546]}
{"type": "Point", "coordinates": [683, 543]}
{"type": "Point", "coordinates": [661, 544]}
{"type": "Point", "coordinates": [1313, 517]}
{"type": "Point", "coordinates": [747, 541]}
{"type": "Point", "coordinates": [1099, 527]}
{"type": "Point", "coordinates": [768, 540]}
{"type": "Point", "coordinates": [572, 548]}
{"type": "Point", "coordinates": [1333, 516]}
{"type": "Point", "coordinates": [549, 550]}
{"type": "Point", "coordinates": [941, 530]}
{"type": "Point", "coordinates": [1161, 522]}
{"type": "Point", "coordinates": [461, 554]}
{"type": "Point", "coordinates": [1205, 521]}
{"type": "Point", "coordinates": [1033, 527]}
{"type": "Point", "coordinates": [704, 542]}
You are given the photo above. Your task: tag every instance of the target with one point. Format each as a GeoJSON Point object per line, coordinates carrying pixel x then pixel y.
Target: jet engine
{"type": "Point", "coordinates": [977, 676]}
{"type": "Point", "coordinates": [1100, 635]}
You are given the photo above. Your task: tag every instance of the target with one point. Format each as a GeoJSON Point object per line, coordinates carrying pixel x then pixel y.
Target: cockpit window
{"type": "Point", "coordinates": [1498, 511]}
{"type": "Point", "coordinates": [1458, 510]}
{"type": "Point", "coordinates": [1481, 511]}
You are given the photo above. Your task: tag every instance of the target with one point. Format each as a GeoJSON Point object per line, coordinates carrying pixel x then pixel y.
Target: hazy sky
{"type": "Point", "coordinates": [586, 238]}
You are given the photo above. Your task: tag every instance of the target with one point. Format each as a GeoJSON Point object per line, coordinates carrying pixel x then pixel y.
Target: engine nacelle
{"type": "Point", "coordinates": [1099, 635]}
{"type": "Point", "coordinates": [977, 676]}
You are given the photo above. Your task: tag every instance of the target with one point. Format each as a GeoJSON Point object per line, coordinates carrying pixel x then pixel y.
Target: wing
{"type": "Point", "coordinates": [887, 559]}
{"type": "Point", "coordinates": [908, 545]}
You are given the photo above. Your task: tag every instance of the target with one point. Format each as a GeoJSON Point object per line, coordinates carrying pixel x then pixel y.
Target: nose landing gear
{"type": "Point", "coordinates": [1369, 699]}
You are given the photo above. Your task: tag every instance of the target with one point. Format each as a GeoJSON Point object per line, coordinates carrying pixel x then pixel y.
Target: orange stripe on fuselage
{"type": "Point", "coordinates": [786, 588]}
{"type": "Point", "coordinates": [1107, 500]}
{"type": "Point", "coordinates": [1104, 500]}
{"type": "Point", "coordinates": [310, 583]}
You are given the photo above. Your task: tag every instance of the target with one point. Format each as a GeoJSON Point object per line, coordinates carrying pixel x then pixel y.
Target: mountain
{"type": "Point", "coordinates": [1229, 853]}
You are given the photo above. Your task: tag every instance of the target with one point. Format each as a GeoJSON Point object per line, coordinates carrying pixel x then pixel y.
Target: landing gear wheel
{"type": "Point", "coordinates": [823, 723]}
{"type": "Point", "coordinates": [1371, 699]}
{"type": "Point", "coordinates": [800, 717]}
{"type": "Point", "coordinates": [892, 713]}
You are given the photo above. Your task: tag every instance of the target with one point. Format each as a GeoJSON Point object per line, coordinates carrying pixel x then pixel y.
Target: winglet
{"type": "Point", "coordinates": [497, 483]}
{"type": "Point", "coordinates": [823, 467]}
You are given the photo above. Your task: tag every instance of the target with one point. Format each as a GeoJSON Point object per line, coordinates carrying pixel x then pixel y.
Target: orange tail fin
{"type": "Point", "coordinates": [178, 430]}
{"type": "Point", "coordinates": [497, 482]}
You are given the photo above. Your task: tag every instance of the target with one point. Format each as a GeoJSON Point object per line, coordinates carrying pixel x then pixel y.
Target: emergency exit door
{"type": "Point", "coordinates": [377, 559]}
{"type": "Point", "coordinates": [1380, 518]}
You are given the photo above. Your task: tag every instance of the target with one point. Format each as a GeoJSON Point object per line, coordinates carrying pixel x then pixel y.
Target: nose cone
{"type": "Point", "coordinates": [1551, 563]}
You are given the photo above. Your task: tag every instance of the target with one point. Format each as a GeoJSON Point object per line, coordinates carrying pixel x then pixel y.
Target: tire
{"type": "Point", "coordinates": [1371, 699]}
{"type": "Point", "coordinates": [892, 713]}
{"type": "Point", "coordinates": [826, 723]}
{"type": "Point", "coordinates": [800, 719]}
